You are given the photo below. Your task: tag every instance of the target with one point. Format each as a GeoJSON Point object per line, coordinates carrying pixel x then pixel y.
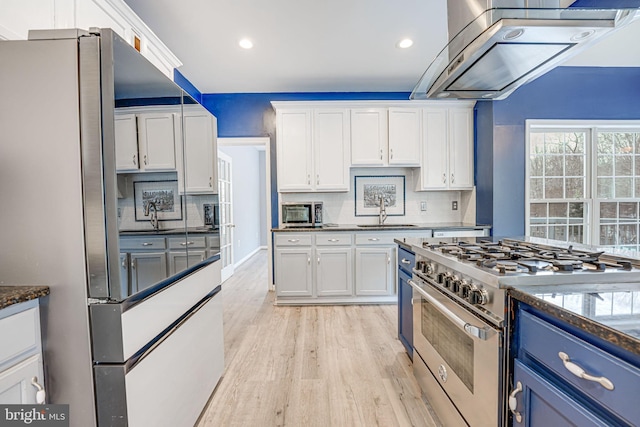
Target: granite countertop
{"type": "Point", "coordinates": [10, 295]}
{"type": "Point", "coordinates": [161, 232]}
{"type": "Point", "coordinates": [387, 226]}
{"type": "Point", "coordinates": [606, 311]}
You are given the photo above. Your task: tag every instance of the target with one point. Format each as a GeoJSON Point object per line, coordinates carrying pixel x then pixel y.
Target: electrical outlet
{"type": "Point", "coordinates": [454, 205]}
{"type": "Point", "coordinates": [423, 206]}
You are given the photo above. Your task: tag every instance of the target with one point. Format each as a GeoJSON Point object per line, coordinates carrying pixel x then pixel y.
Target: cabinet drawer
{"type": "Point", "coordinates": [287, 239]}
{"type": "Point", "coordinates": [213, 241]}
{"type": "Point", "coordinates": [406, 260]}
{"type": "Point", "coordinates": [342, 239]}
{"type": "Point", "coordinates": [146, 243]}
{"type": "Point", "coordinates": [375, 239]}
{"type": "Point", "coordinates": [543, 342]}
{"type": "Point", "coordinates": [190, 242]}
{"type": "Point", "coordinates": [19, 334]}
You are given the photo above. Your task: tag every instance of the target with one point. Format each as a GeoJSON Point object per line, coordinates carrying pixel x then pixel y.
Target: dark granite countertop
{"type": "Point", "coordinates": [168, 232]}
{"type": "Point", "coordinates": [610, 312]}
{"type": "Point", "coordinates": [10, 295]}
{"type": "Point", "coordinates": [387, 227]}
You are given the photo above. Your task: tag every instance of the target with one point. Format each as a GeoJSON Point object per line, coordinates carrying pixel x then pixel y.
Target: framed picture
{"type": "Point", "coordinates": [165, 196]}
{"type": "Point", "coordinates": [369, 190]}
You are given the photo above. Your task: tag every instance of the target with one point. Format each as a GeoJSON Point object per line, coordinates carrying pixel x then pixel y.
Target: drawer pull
{"type": "Point", "coordinates": [293, 240]}
{"type": "Point", "coordinates": [580, 373]}
{"type": "Point", "coordinates": [373, 239]}
{"type": "Point", "coordinates": [41, 395]}
{"type": "Point", "coordinates": [147, 244]}
{"type": "Point", "coordinates": [405, 261]}
{"type": "Point", "coordinates": [334, 240]}
{"type": "Point", "coordinates": [186, 243]}
{"type": "Point", "coordinates": [513, 402]}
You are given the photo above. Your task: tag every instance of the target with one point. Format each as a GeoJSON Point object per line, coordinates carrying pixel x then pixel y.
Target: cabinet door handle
{"type": "Point", "coordinates": [318, 179]}
{"type": "Point", "coordinates": [40, 393]}
{"type": "Point", "coordinates": [318, 260]}
{"type": "Point", "coordinates": [388, 259]}
{"type": "Point", "coordinates": [405, 261]}
{"type": "Point", "coordinates": [124, 263]}
{"type": "Point", "coordinates": [133, 264]}
{"type": "Point", "coordinates": [293, 240]}
{"type": "Point", "coordinates": [186, 243]}
{"type": "Point", "coordinates": [145, 160]}
{"type": "Point", "coordinates": [453, 179]}
{"type": "Point", "coordinates": [135, 159]}
{"type": "Point", "coordinates": [210, 182]}
{"type": "Point", "coordinates": [444, 178]}
{"type": "Point", "coordinates": [513, 402]}
{"type": "Point", "coordinates": [309, 260]}
{"type": "Point", "coordinates": [334, 240]}
{"type": "Point", "coordinates": [147, 244]}
{"type": "Point", "coordinates": [381, 154]}
{"type": "Point", "coordinates": [580, 373]}
{"type": "Point", "coordinates": [308, 179]}
{"type": "Point", "coordinates": [373, 239]}
{"type": "Point", "coordinates": [391, 153]}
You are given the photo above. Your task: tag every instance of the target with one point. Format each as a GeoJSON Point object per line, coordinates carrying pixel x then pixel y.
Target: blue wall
{"type": "Point", "coordinates": [577, 93]}
{"type": "Point", "coordinates": [186, 85]}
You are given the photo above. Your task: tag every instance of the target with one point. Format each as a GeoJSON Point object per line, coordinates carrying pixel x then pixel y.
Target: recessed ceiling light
{"type": "Point", "coordinates": [443, 94]}
{"type": "Point", "coordinates": [513, 34]}
{"type": "Point", "coordinates": [405, 43]}
{"type": "Point", "coordinates": [583, 35]}
{"type": "Point", "coordinates": [245, 44]}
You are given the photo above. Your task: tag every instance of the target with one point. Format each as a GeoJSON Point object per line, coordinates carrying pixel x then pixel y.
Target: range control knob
{"type": "Point", "coordinates": [455, 285]}
{"type": "Point", "coordinates": [465, 289]}
{"type": "Point", "coordinates": [478, 296]}
{"type": "Point", "coordinates": [442, 277]}
{"type": "Point", "coordinates": [429, 269]}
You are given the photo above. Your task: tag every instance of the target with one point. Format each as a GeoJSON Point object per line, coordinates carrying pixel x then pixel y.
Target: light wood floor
{"type": "Point", "coordinates": [310, 366]}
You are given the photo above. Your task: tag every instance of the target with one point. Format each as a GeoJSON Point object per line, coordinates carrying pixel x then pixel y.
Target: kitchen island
{"type": "Point", "coordinates": [347, 263]}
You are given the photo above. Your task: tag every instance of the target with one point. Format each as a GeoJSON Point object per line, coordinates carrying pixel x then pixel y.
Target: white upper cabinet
{"type": "Point", "coordinates": [447, 158]}
{"type": "Point", "coordinates": [331, 149]}
{"type": "Point", "coordinates": [156, 141]}
{"type": "Point", "coordinates": [126, 135]}
{"type": "Point", "coordinates": [405, 136]}
{"type": "Point", "coordinates": [200, 157]}
{"type": "Point", "coordinates": [17, 17]}
{"type": "Point", "coordinates": [369, 136]}
{"type": "Point", "coordinates": [312, 150]}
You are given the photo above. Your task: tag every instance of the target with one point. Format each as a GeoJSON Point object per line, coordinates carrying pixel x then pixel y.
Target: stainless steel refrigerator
{"type": "Point", "coordinates": [118, 354]}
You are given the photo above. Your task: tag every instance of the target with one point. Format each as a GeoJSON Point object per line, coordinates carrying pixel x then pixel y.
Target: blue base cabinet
{"type": "Point", "coordinates": [406, 262]}
{"type": "Point", "coordinates": [547, 388]}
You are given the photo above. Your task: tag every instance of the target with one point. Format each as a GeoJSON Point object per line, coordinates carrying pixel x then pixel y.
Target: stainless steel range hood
{"type": "Point", "coordinates": [495, 46]}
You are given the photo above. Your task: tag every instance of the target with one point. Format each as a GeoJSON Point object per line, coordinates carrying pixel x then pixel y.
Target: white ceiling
{"type": "Point", "coordinates": [320, 45]}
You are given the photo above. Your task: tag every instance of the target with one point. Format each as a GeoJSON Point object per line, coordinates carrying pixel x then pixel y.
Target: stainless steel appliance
{"type": "Point", "coordinates": [301, 214]}
{"type": "Point", "coordinates": [459, 315]}
{"type": "Point", "coordinates": [495, 46]}
{"type": "Point", "coordinates": [148, 358]}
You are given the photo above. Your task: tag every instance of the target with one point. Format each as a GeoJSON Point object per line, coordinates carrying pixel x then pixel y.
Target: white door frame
{"type": "Point", "coordinates": [265, 142]}
{"type": "Point", "coordinates": [227, 270]}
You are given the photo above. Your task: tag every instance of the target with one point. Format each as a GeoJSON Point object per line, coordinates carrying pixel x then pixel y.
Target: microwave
{"type": "Point", "coordinates": [301, 214]}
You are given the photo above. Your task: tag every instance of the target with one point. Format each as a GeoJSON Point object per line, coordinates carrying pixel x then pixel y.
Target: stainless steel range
{"type": "Point", "coordinates": [459, 308]}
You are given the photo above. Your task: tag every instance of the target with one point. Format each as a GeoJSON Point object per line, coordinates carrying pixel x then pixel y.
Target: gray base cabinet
{"type": "Point", "coordinates": [293, 272]}
{"type": "Point", "coordinates": [334, 276]}
{"type": "Point", "coordinates": [375, 270]}
{"type": "Point", "coordinates": [147, 268]}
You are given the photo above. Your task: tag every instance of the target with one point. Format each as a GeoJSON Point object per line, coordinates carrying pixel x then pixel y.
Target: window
{"type": "Point", "coordinates": [583, 182]}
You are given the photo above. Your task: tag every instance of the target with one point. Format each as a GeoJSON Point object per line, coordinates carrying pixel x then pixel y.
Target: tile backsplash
{"type": "Point", "coordinates": [194, 212]}
{"type": "Point", "coordinates": [339, 207]}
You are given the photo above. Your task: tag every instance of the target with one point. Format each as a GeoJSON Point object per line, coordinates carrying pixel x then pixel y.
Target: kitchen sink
{"type": "Point", "coordinates": [386, 225]}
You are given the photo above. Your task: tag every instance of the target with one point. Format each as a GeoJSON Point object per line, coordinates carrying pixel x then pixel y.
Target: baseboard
{"type": "Point", "coordinates": [245, 259]}
{"type": "Point", "coordinates": [263, 247]}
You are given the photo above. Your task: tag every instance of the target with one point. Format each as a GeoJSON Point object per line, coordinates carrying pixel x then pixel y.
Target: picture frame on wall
{"type": "Point", "coordinates": [369, 190]}
{"type": "Point", "coordinates": [165, 196]}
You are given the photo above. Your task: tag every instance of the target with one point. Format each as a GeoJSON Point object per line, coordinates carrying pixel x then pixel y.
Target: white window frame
{"type": "Point", "coordinates": [592, 203]}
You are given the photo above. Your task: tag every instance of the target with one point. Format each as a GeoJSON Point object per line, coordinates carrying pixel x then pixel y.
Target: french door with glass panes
{"type": "Point", "coordinates": [225, 201]}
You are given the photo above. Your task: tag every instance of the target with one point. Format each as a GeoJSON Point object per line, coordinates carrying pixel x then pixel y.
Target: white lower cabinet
{"type": "Point", "coordinates": [375, 270]}
{"type": "Point", "coordinates": [293, 272]}
{"type": "Point", "coordinates": [334, 275]}
{"type": "Point", "coordinates": [20, 353]}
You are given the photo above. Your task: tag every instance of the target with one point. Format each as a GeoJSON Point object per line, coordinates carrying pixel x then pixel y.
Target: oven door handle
{"type": "Point", "coordinates": [475, 331]}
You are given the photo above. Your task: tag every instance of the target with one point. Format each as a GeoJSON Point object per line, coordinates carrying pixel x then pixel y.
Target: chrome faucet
{"type": "Point", "coordinates": [383, 212]}
{"type": "Point", "coordinates": [154, 214]}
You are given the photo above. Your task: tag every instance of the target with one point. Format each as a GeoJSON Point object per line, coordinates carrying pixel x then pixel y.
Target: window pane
{"type": "Point", "coordinates": [558, 210]}
{"type": "Point", "coordinates": [538, 210]}
{"type": "Point", "coordinates": [624, 187]}
{"type": "Point", "coordinates": [536, 143]}
{"type": "Point", "coordinates": [576, 210]}
{"type": "Point", "coordinates": [628, 210]}
{"type": "Point", "coordinates": [607, 234]}
{"type": "Point", "coordinates": [553, 188]}
{"type": "Point", "coordinates": [608, 210]}
{"type": "Point", "coordinates": [574, 165]}
{"type": "Point", "coordinates": [539, 231]}
{"type": "Point", "coordinates": [536, 190]}
{"type": "Point", "coordinates": [576, 233]}
{"type": "Point", "coordinates": [553, 166]}
{"type": "Point", "coordinates": [624, 165]}
{"type": "Point", "coordinates": [575, 142]}
{"type": "Point", "coordinates": [575, 188]}
{"type": "Point", "coordinates": [605, 165]}
{"type": "Point", "coordinates": [624, 143]}
{"type": "Point", "coordinates": [605, 188]}
{"type": "Point", "coordinates": [605, 143]}
{"type": "Point", "coordinates": [627, 234]}
{"type": "Point", "coordinates": [558, 232]}
{"type": "Point", "coordinates": [535, 165]}
{"type": "Point", "coordinates": [638, 186]}
{"type": "Point", "coordinates": [552, 143]}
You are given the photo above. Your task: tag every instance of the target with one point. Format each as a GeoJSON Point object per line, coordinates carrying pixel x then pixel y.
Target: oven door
{"type": "Point", "coordinates": [461, 351]}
